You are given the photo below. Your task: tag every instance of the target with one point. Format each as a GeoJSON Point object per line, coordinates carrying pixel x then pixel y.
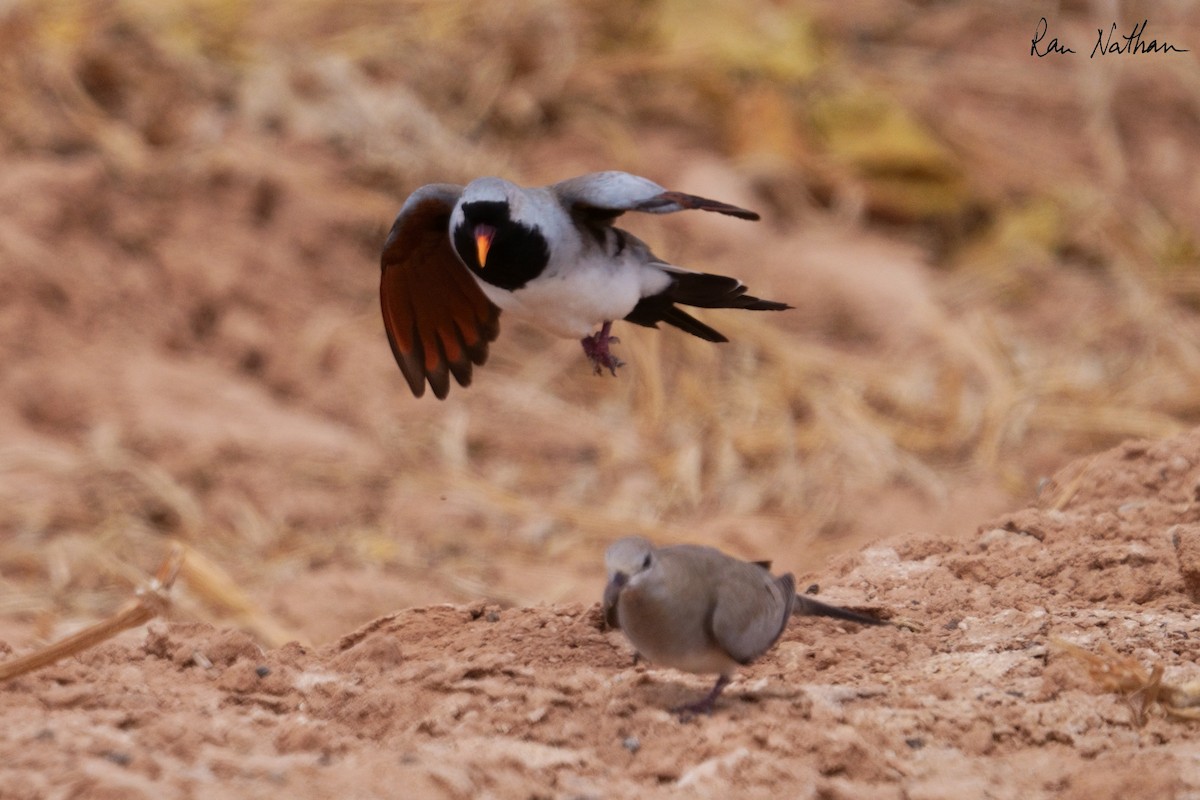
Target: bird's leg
{"type": "Point", "coordinates": [704, 706]}
{"type": "Point", "coordinates": [595, 347]}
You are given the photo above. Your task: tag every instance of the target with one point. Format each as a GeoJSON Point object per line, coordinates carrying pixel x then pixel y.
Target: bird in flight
{"type": "Point", "coordinates": [457, 256]}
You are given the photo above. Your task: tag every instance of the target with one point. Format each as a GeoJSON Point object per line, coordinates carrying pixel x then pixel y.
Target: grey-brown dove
{"type": "Point", "coordinates": [697, 609]}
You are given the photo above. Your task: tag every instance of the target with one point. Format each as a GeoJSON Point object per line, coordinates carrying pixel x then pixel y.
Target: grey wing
{"type": "Point", "coordinates": [750, 615]}
{"type": "Point", "coordinates": [438, 320]}
{"type": "Point", "coordinates": [606, 195]}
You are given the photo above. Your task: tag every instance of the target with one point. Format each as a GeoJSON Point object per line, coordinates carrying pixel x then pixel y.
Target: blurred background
{"type": "Point", "coordinates": [994, 258]}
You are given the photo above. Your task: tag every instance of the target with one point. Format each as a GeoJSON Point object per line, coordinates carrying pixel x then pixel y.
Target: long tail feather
{"type": "Point", "coordinates": [699, 290]}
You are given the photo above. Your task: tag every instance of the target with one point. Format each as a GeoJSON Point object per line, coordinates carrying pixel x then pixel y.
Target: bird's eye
{"type": "Point", "coordinates": [646, 562]}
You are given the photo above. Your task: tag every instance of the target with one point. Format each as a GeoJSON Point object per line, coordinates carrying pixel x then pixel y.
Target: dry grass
{"type": "Point", "coordinates": [152, 600]}
{"type": "Point", "coordinates": [771, 441]}
{"type": "Point", "coordinates": [1144, 690]}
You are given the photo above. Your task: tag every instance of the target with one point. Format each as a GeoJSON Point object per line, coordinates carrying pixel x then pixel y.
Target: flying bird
{"type": "Point", "coordinates": [457, 256]}
{"type": "Point", "coordinates": [699, 610]}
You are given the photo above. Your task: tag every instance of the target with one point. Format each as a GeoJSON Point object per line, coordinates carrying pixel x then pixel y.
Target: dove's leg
{"type": "Point", "coordinates": [704, 706]}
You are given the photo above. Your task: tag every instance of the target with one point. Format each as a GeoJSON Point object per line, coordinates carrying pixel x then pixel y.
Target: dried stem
{"type": "Point", "coordinates": [152, 600]}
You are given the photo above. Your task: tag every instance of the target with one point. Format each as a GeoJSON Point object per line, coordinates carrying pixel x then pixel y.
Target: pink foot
{"type": "Point", "coordinates": [595, 347]}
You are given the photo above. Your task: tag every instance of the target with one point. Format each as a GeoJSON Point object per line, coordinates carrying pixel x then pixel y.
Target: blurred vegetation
{"type": "Point", "coordinates": [1056, 202]}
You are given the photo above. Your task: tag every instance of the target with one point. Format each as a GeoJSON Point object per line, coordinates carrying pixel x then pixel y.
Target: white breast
{"type": "Point", "coordinates": [572, 299]}
{"type": "Point", "coordinates": [583, 286]}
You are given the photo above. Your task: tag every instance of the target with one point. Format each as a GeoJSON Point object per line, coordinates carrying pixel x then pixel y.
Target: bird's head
{"type": "Point", "coordinates": [628, 557]}
{"type": "Point", "coordinates": [624, 560]}
{"type": "Point", "coordinates": [496, 235]}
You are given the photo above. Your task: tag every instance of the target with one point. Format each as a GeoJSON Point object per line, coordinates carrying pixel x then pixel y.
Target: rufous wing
{"type": "Point", "coordinates": [438, 320]}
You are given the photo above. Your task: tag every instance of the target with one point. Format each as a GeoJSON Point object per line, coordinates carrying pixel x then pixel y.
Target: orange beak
{"type": "Point", "coordinates": [483, 242]}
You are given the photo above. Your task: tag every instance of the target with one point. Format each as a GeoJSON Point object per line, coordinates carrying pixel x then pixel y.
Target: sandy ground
{"type": "Point", "coordinates": [477, 701]}
{"type": "Point", "coordinates": [993, 263]}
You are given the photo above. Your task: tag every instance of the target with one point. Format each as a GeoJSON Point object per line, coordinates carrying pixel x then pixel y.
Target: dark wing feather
{"type": "Point", "coordinates": [668, 202]}
{"type": "Point", "coordinates": [438, 320]}
{"type": "Point", "coordinates": [600, 197]}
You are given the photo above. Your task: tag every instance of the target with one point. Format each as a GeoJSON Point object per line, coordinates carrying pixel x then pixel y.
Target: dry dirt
{"type": "Point", "coordinates": [994, 265]}
{"type": "Point", "coordinates": [476, 701]}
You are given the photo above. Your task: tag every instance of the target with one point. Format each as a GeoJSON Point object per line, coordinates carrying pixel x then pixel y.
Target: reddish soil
{"type": "Point", "coordinates": [470, 701]}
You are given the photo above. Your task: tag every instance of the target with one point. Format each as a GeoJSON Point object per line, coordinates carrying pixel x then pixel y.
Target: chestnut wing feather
{"type": "Point", "coordinates": [438, 320]}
